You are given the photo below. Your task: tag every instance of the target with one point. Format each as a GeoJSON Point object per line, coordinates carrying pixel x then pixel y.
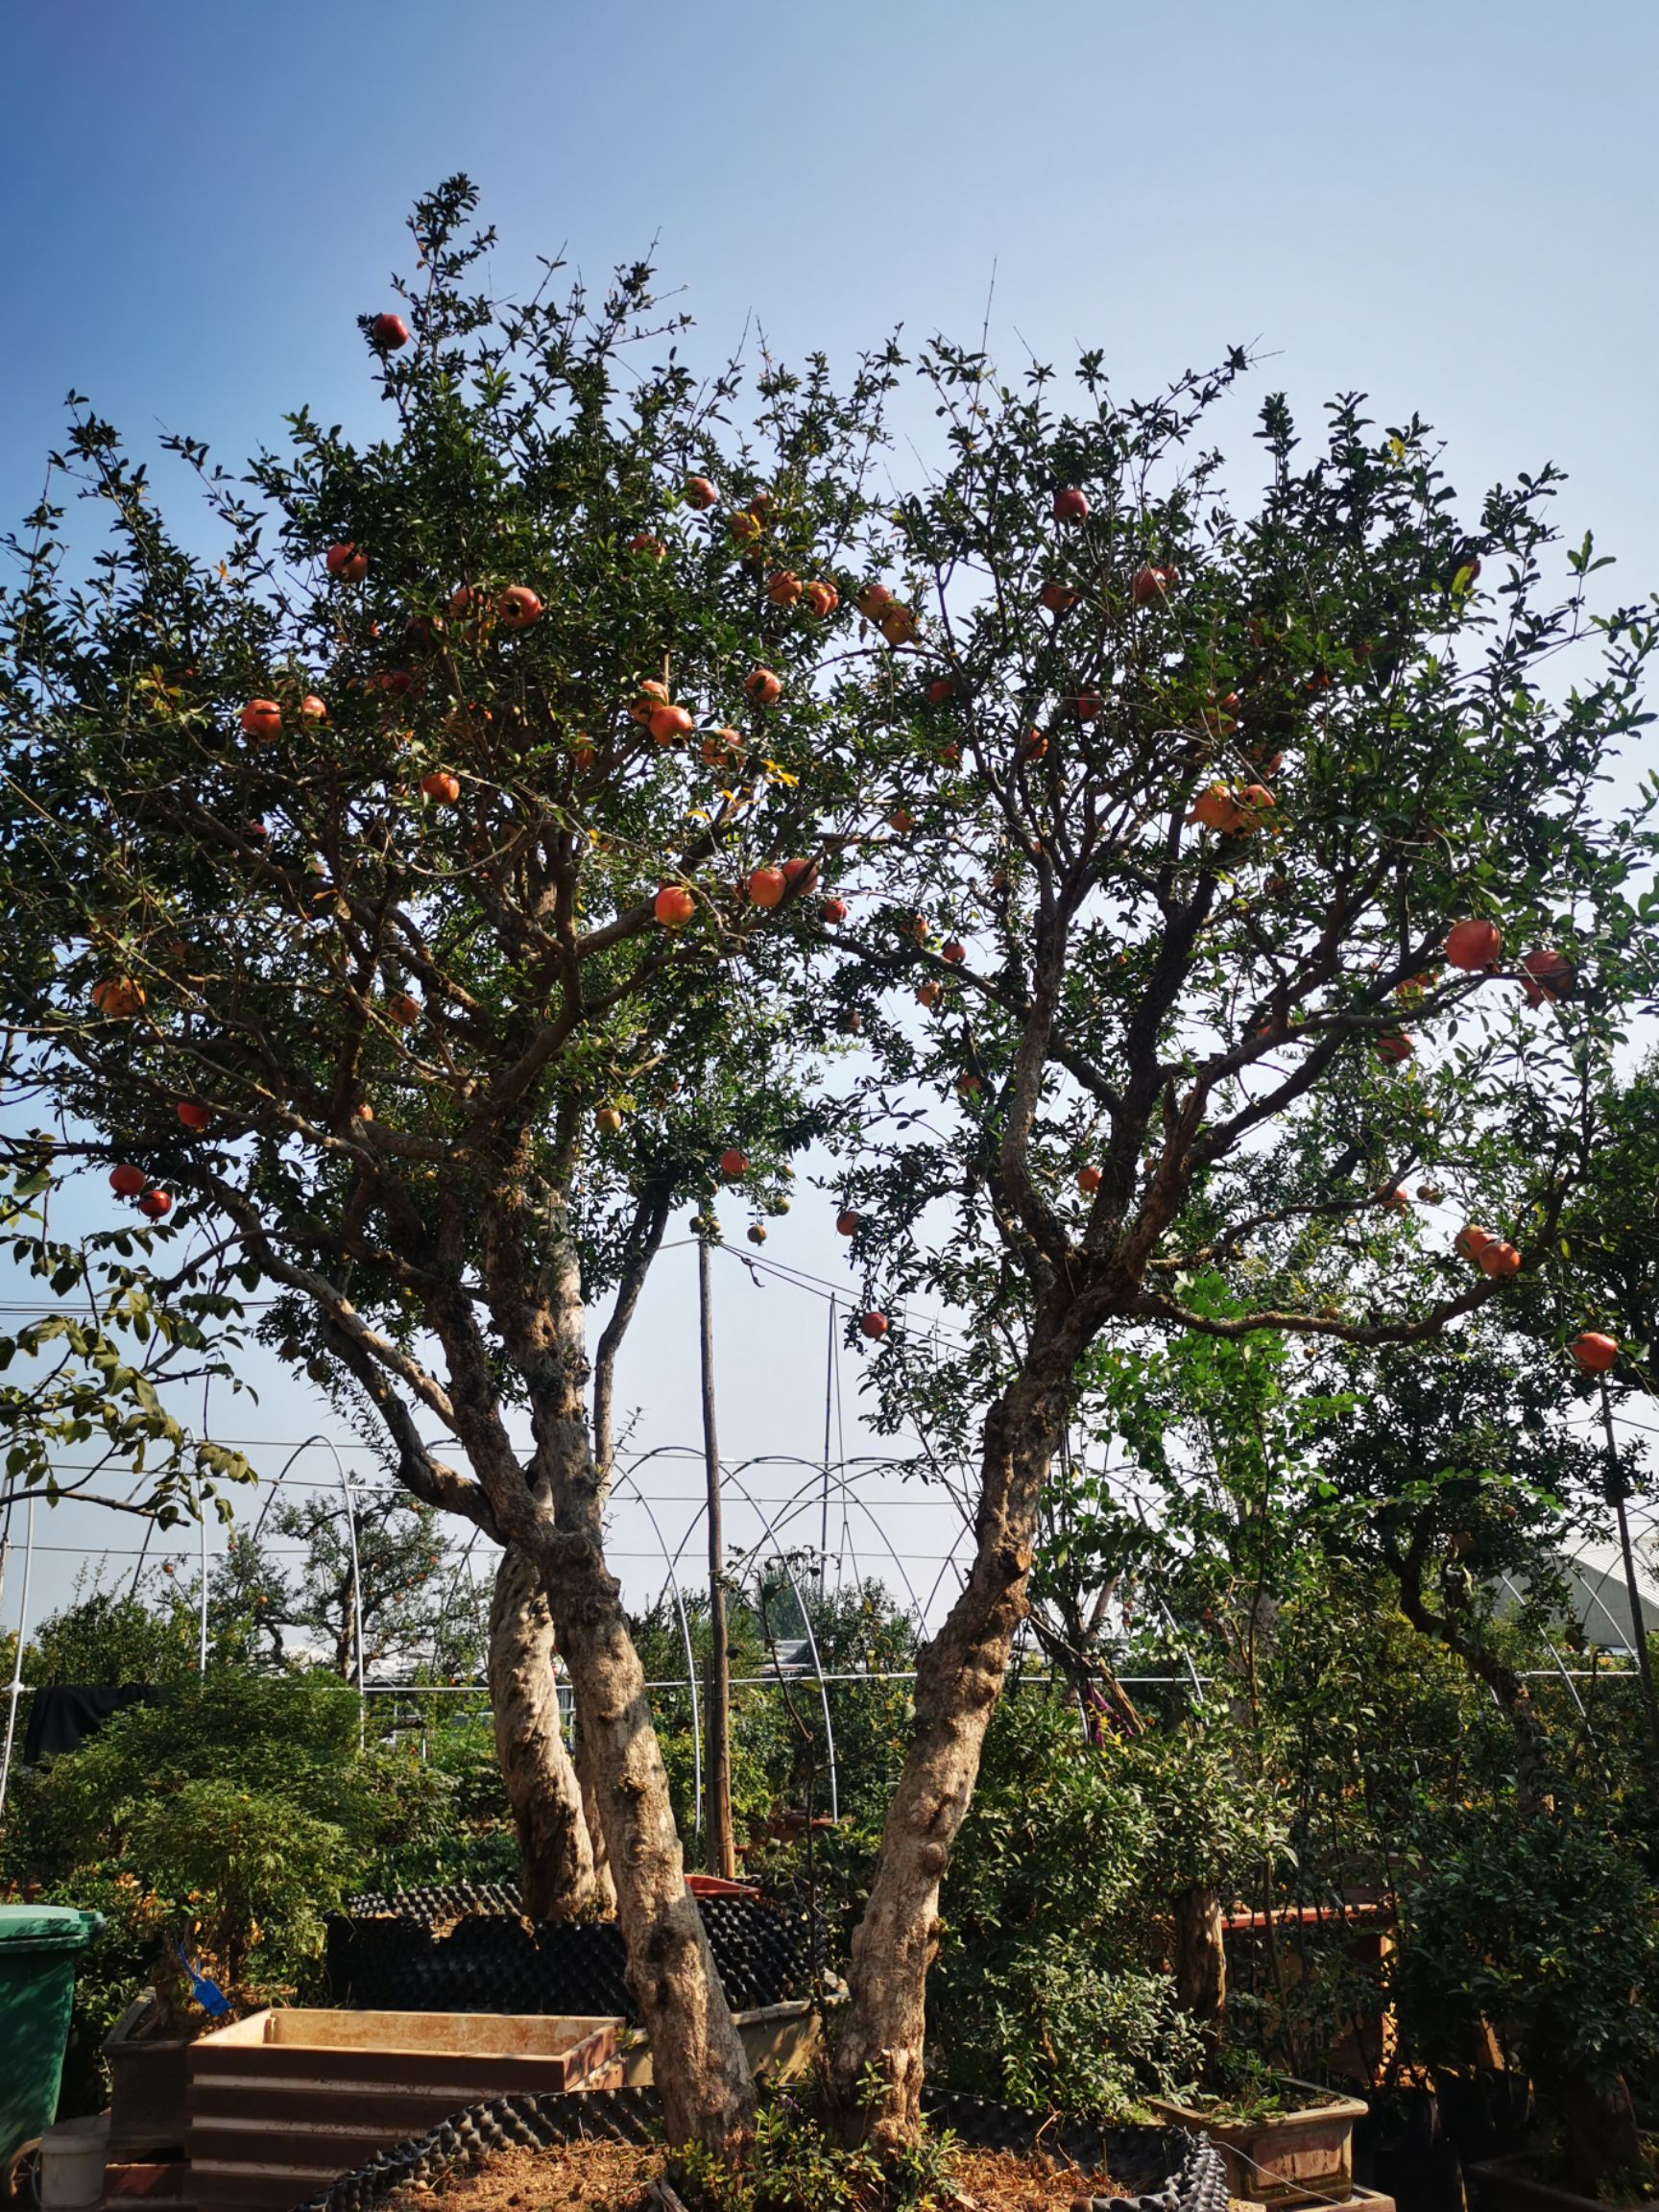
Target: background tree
{"type": "Point", "coordinates": [1211, 827]}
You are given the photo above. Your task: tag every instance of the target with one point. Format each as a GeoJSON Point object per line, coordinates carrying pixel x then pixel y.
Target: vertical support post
{"type": "Point", "coordinates": [202, 1534]}
{"type": "Point", "coordinates": [720, 1847]}
{"type": "Point", "coordinates": [18, 1663]}
{"type": "Point", "coordinates": [828, 1407]}
{"type": "Point", "coordinates": [1614, 1490]}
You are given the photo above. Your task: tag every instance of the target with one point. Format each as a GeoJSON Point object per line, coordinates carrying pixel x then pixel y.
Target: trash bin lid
{"type": "Point", "coordinates": [46, 1927]}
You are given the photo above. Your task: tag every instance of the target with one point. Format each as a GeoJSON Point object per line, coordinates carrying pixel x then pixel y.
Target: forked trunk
{"type": "Point", "coordinates": [554, 1852]}
{"type": "Point", "coordinates": [877, 2071]}
{"type": "Point", "coordinates": [698, 2060]}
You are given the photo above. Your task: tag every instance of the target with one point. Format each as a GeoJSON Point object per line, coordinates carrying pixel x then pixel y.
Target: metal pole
{"type": "Point", "coordinates": [1615, 1493]}
{"type": "Point", "coordinates": [720, 1845]}
{"type": "Point", "coordinates": [18, 1663]}
{"type": "Point", "coordinates": [828, 1404]}
{"type": "Point", "coordinates": [201, 1528]}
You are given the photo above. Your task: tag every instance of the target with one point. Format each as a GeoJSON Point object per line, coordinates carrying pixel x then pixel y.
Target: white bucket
{"type": "Point", "coordinates": [72, 2159]}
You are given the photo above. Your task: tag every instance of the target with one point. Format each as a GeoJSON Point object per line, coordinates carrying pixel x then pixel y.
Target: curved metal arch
{"type": "Point", "coordinates": [811, 1645]}
{"type": "Point", "coordinates": [1550, 1643]}
{"type": "Point", "coordinates": [842, 1480]}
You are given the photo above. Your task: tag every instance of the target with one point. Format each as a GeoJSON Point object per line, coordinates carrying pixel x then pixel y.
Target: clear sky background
{"type": "Point", "coordinates": [1452, 206]}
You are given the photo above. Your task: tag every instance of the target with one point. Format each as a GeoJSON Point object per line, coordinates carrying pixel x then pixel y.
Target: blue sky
{"type": "Point", "coordinates": [1451, 206]}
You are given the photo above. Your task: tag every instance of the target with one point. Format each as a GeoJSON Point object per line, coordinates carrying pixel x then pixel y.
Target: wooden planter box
{"type": "Point", "coordinates": [286, 2100]}
{"type": "Point", "coordinates": [1288, 2157]}
{"type": "Point", "coordinates": [1507, 2185]}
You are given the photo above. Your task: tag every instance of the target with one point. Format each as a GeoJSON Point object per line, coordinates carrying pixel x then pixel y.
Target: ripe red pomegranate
{"type": "Point", "coordinates": [668, 723]}
{"type": "Point", "coordinates": [822, 599]}
{"type": "Point", "coordinates": [1150, 586]}
{"type": "Point", "coordinates": [1498, 1259]}
{"type": "Point", "coordinates": [1217, 810]}
{"type": "Point", "coordinates": [642, 541]}
{"type": "Point", "coordinates": [312, 708]}
{"type": "Point", "coordinates": [899, 625]}
{"type": "Point", "coordinates": [127, 1181]}
{"type": "Point", "coordinates": [847, 1222]}
{"type": "Point", "coordinates": [1592, 1352]}
{"type": "Point", "coordinates": [762, 688]}
{"type": "Point", "coordinates": [1056, 597]}
{"type": "Point", "coordinates": [652, 695]}
{"type": "Point", "coordinates": [940, 691]}
{"type": "Point", "coordinates": [874, 1325]}
{"type": "Point", "coordinates": [261, 719]}
{"type": "Point", "coordinates": [350, 564]}
{"type": "Point", "coordinates": [902, 820]}
{"type": "Point", "coordinates": [800, 874]}
{"type": "Point", "coordinates": [1393, 1050]}
{"type": "Point", "coordinates": [1472, 945]}
{"type": "Point", "coordinates": [440, 787]}
{"type": "Point", "coordinates": [700, 493]}
{"type": "Point", "coordinates": [872, 599]}
{"type": "Point", "coordinates": [674, 907]}
{"type": "Point", "coordinates": [734, 1164]}
{"type": "Point", "coordinates": [1549, 976]}
{"type": "Point", "coordinates": [1087, 707]}
{"type": "Point", "coordinates": [193, 1114]}
{"type": "Point", "coordinates": [403, 1008]}
{"type": "Point", "coordinates": [118, 997]}
{"type": "Point", "coordinates": [518, 606]}
{"type": "Point", "coordinates": [1471, 1241]}
{"type": "Point", "coordinates": [1089, 1181]}
{"type": "Point", "coordinates": [784, 588]}
{"type": "Point", "coordinates": [1072, 505]}
{"type": "Point", "coordinates": [953, 950]}
{"type": "Point", "coordinates": [388, 332]}
{"type": "Point", "coordinates": [155, 1205]}
{"type": "Point", "coordinates": [832, 911]}
{"type": "Point", "coordinates": [767, 886]}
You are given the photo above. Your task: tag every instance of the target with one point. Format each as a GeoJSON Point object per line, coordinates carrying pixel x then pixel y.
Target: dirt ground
{"type": "Point", "coordinates": [601, 2176]}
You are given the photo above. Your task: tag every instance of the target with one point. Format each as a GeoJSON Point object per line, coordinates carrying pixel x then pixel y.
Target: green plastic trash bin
{"type": "Point", "coordinates": [38, 1947]}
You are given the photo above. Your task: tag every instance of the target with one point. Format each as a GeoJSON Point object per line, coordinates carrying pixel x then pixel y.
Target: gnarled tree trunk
{"type": "Point", "coordinates": [698, 2059]}
{"type": "Point", "coordinates": [554, 1852]}
{"type": "Point", "coordinates": [1199, 1958]}
{"type": "Point", "coordinates": [877, 2070]}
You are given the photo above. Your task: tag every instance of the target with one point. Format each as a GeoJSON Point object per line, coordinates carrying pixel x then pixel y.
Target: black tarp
{"type": "Point", "coordinates": [65, 1714]}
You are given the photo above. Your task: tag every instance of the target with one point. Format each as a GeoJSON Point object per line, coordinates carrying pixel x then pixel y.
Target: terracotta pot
{"type": "Point", "coordinates": [1285, 2155]}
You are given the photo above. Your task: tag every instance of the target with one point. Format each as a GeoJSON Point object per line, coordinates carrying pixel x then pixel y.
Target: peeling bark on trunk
{"type": "Point", "coordinates": [701, 2070]}
{"type": "Point", "coordinates": [554, 1853]}
{"type": "Point", "coordinates": [877, 2071]}
{"type": "Point", "coordinates": [604, 1885]}
{"type": "Point", "coordinates": [1200, 1959]}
